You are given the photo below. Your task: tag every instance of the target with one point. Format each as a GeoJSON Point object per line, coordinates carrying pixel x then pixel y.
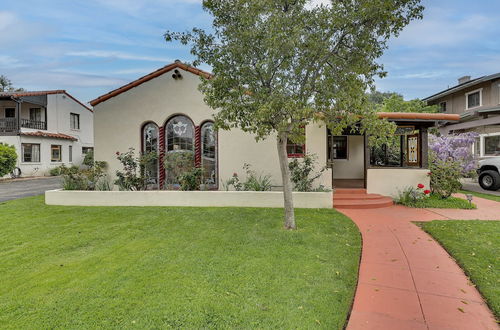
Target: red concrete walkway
{"type": "Point", "coordinates": [407, 280]}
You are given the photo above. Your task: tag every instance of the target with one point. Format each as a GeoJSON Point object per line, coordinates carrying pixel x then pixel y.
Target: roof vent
{"type": "Point", "coordinates": [463, 80]}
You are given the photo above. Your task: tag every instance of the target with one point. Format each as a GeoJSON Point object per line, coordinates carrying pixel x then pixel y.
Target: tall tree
{"type": "Point", "coordinates": [6, 85]}
{"type": "Point", "coordinates": [396, 103]}
{"type": "Point", "coordinates": [281, 64]}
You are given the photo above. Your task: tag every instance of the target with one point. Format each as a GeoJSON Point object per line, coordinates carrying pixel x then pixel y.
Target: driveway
{"type": "Point", "coordinates": [473, 186]}
{"type": "Point", "coordinates": [19, 188]}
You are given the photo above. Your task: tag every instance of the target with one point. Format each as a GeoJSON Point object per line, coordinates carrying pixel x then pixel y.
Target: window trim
{"type": "Point", "coordinates": [302, 145]}
{"type": "Point", "coordinates": [52, 147]}
{"type": "Point", "coordinates": [23, 161]}
{"type": "Point", "coordinates": [482, 145]}
{"type": "Point", "coordinates": [71, 115]}
{"type": "Point", "coordinates": [480, 90]}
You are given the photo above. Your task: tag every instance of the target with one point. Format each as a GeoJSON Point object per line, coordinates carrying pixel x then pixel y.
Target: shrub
{"type": "Point", "coordinates": [303, 173]}
{"type": "Point", "coordinates": [88, 160]}
{"type": "Point", "coordinates": [8, 159]}
{"type": "Point", "coordinates": [132, 177]}
{"type": "Point", "coordinates": [177, 164]}
{"type": "Point", "coordinates": [59, 170]}
{"type": "Point", "coordinates": [93, 178]}
{"type": "Point", "coordinates": [254, 181]}
{"type": "Point", "coordinates": [445, 175]}
{"type": "Point", "coordinates": [412, 195]}
{"type": "Point", "coordinates": [191, 180]}
{"type": "Point", "coordinates": [457, 148]}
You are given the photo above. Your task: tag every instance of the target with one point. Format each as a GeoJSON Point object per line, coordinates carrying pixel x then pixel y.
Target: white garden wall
{"type": "Point", "coordinates": [187, 198]}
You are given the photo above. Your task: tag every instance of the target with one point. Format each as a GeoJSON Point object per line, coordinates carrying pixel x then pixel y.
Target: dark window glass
{"type": "Point", "coordinates": [70, 154]}
{"type": "Point", "coordinates": [36, 114]}
{"type": "Point", "coordinates": [473, 100]}
{"type": "Point", "coordinates": [337, 147]}
{"type": "Point", "coordinates": [492, 145]}
{"type": "Point", "coordinates": [10, 112]}
{"type": "Point", "coordinates": [74, 121]}
{"type": "Point", "coordinates": [442, 106]}
{"type": "Point", "coordinates": [31, 153]}
{"type": "Point", "coordinates": [209, 154]}
{"type": "Point", "coordinates": [86, 150]}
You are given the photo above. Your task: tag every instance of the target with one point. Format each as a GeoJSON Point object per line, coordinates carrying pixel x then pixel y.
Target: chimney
{"type": "Point", "coordinates": [463, 79]}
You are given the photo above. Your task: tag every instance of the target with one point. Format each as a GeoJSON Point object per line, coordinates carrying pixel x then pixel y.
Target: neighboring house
{"type": "Point", "coordinates": [477, 101]}
{"type": "Point", "coordinates": [47, 128]}
{"type": "Point", "coordinates": [164, 112]}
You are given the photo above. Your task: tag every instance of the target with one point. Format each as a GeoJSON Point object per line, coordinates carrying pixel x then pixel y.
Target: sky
{"type": "Point", "coordinates": [91, 47]}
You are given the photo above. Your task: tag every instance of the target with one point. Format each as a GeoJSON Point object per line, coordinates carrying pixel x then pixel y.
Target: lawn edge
{"type": "Point", "coordinates": [420, 224]}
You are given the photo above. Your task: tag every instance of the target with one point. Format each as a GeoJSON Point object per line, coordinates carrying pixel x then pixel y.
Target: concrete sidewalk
{"type": "Point", "coordinates": [407, 280]}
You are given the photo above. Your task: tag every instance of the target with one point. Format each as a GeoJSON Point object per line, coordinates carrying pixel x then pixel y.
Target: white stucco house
{"type": "Point", "coordinates": [47, 128]}
{"type": "Point", "coordinates": [164, 112]}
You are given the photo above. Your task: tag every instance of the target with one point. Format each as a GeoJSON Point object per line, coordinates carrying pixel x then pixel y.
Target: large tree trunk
{"type": "Point", "coordinates": [287, 184]}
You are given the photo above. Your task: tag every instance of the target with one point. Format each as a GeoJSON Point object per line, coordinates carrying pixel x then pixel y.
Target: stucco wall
{"type": "Point", "coordinates": [353, 167]}
{"type": "Point", "coordinates": [118, 123]}
{"type": "Point", "coordinates": [186, 198]}
{"type": "Point", "coordinates": [391, 181]}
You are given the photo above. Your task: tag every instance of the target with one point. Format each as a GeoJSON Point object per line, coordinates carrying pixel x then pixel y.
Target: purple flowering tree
{"type": "Point", "coordinates": [456, 147]}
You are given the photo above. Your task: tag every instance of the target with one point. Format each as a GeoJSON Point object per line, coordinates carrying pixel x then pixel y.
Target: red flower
{"type": "Point", "coordinates": [235, 174]}
{"type": "Point", "coordinates": [118, 153]}
{"type": "Point", "coordinates": [427, 192]}
{"type": "Point", "coordinates": [420, 186]}
{"type": "Point", "coordinates": [429, 174]}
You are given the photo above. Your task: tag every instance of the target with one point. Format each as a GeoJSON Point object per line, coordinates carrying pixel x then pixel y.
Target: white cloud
{"type": "Point", "coordinates": [118, 55]}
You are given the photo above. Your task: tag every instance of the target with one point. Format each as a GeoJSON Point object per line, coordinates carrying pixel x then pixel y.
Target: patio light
{"type": "Point", "coordinates": [469, 198]}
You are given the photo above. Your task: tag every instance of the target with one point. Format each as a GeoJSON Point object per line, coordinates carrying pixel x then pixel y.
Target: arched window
{"type": "Point", "coordinates": [179, 148]}
{"type": "Point", "coordinates": [150, 144]}
{"type": "Point", "coordinates": [209, 155]}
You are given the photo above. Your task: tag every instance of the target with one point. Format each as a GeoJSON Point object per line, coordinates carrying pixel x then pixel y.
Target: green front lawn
{"type": "Point", "coordinates": [476, 247]}
{"type": "Point", "coordinates": [119, 267]}
{"type": "Point", "coordinates": [435, 201]}
{"type": "Point", "coordinates": [481, 195]}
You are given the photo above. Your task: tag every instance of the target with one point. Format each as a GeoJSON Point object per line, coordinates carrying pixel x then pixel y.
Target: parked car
{"type": "Point", "coordinates": [489, 173]}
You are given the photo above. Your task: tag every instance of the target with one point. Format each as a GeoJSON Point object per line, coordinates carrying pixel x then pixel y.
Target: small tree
{"type": "Point", "coordinates": [8, 159]}
{"type": "Point", "coordinates": [280, 64]}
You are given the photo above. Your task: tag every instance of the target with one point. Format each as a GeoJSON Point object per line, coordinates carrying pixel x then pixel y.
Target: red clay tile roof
{"type": "Point", "coordinates": [50, 135]}
{"type": "Point", "coordinates": [159, 72]}
{"type": "Point", "coordinates": [38, 93]}
{"type": "Point", "coordinates": [419, 116]}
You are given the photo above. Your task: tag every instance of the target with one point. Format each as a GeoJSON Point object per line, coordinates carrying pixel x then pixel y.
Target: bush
{"type": "Point", "coordinates": [93, 178]}
{"type": "Point", "coordinates": [303, 173]}
{"type": "Point", "coordinates": [8, 159]}
{"type": "Point", "coordinates": [445, 175]}
{"type": "Point", "coordinates": [88, 160]}
{"type": "Point", "coordinates": [59, 170]}
{"type": "Point", "coordinates": [179, 164]}
{"type": "Point", "coordinates": [457, 148]}
{"type": "Point", "coordinates": [411, 196]}
{"type": "Point", "coordinates": [132, 177]}
{"type": "Point", "coordinates": [254, 181]}
{"type": "Point", "coordinates": [191, 180]}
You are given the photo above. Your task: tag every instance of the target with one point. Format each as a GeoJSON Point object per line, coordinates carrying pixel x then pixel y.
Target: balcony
{"type": "Point", "coordinates": [10, 125]}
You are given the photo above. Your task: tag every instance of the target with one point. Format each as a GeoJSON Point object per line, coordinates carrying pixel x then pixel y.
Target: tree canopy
{"type": "Point", "coordinates": [280, 64]}
{"type": "Point", "coordinates": [6, 85]}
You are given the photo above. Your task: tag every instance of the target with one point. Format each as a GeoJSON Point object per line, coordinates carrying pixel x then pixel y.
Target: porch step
{"type": "Point", "coordinates": [359, 199]}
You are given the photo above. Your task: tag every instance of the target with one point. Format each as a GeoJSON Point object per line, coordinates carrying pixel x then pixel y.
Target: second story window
{"type": "Point", "coordinates": [36, 114]}
{"type": "Point", "coordinates": [74, 121]}
{"type": "Point", "coordinates": [473, 99]}
{"type": "Point", "coordinates": [10, 112]}
{"type": "Point", "coordinates": [442, 107]}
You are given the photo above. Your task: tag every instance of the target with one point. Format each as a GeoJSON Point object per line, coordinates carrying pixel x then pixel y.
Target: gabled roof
{"type": "Point", "coordinates": [49, 135]}
{"type": "Point", "coordinates": [41, 93]}
{"type": "Point", "coordinates": [148, 77]}
{"type": "Point", "coordinates": [460, 87]}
